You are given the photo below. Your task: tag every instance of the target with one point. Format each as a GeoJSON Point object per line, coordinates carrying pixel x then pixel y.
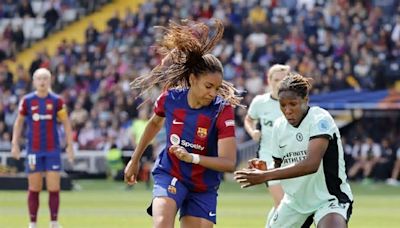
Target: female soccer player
{"type": "Point", "coordinates": [264, 110]}
{"type": "Point", "coordinates": [42, 109]}
{"type": "Point", "coordinates": [197, 112]}
{"type": "Point", "coordinates": [308, 150]}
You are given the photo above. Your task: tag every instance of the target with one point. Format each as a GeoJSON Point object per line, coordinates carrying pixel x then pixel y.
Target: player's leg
{"type": "Point", "coordinates": [199, 210]}
{"type": "Point", "coordinates": [276, 191]}
{"type": "Point", "coordinates": [168, 195]}
{"type": "Point", "coordinates": [285, 216]}
{"type": "Point", "coordinates": [191, 221]}
{"type": "Point", "coordinates": [34, 167]}
{"type": "Point", "coordinates": [395, 173]}
{"type": "Point", "coordinates": [333, 214]}
{"type": "Point", "coordinates": [53, 179]}
{"type": "Point", "coordinates": [164, 211]}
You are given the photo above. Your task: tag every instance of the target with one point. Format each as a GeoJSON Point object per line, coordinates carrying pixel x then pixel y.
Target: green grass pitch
{"type": "Point", "coordinates": [101, 203]}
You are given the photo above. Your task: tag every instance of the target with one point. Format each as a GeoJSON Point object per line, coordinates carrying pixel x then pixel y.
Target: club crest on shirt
{"type": "Point", "coordinates": [299, 137]}
{"type": "Point", "coordinates": [172, 189]}
{"type": "Point", "coordinates": [49, 106]}
{"type": "Point", "coordinates": [202, 132]}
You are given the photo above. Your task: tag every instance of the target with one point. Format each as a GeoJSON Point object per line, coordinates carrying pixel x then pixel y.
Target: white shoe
{"type": "Point", "coordinates": [392, 182]}
{"type": "Point", "coordinates": [32, 225]}
{"type": "Point", "coordinates": [54, 224]}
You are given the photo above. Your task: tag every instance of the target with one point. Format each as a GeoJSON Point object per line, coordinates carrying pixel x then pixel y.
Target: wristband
{"type": "Point", "coordinates": [195, 158]}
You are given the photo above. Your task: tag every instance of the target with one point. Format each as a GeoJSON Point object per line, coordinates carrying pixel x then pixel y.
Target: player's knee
{"type": "Point", "coordinates": [332, 220]}
{"type": "Point", "coordinates": [161, 221]}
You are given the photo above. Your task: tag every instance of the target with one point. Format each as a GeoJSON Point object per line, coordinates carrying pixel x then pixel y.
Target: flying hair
{"type": "Point", "coordinates": [296, 83]}
{"type": "Point", "coordinates": [186, 50]}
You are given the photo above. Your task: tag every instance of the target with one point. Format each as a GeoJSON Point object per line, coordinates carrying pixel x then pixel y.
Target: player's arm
{"type": "Point", "coordinates": [226, 160]}
{"type": "Point", "coordinates": [17, 130]}
{"type": "Point", "coordinates": [152, 128]}
{"type": "Point", "coordinates": [315, 152]}
{"type": "Point", "coordinates": [251, 127]}
{"type": "Point", "coordinates": [62, 116]}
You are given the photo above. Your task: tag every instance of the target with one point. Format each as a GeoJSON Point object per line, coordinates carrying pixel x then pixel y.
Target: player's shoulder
{"type": "Point", "coordinates": [54, 95]}
{"type": "Point", "coordinates": [280, 122]}
{"type": "Point", "coordinates": [262, 98]}
{"type": "Point", "coordinates": [319, 113]}
{"type": "Point", "coordinates": [176, 93]}
{"type": "Point", "coordinates": [29, 96]}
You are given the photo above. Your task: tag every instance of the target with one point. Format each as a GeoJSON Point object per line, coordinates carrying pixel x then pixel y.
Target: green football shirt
{"type": "Point", "coordinates": [307, 193]}
{"type": "Point", "coordinates": [265, 110]}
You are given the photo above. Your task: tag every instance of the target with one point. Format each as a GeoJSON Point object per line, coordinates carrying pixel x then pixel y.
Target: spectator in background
{"type": "Point", "coordinates": [41, 110]}
{"type": "Point", "coordinates": [114, 163]}
{"type": "Point", "coordinates": [51, 17]}
{"type": "Point", "coordinates": [370, 154]}
{"type": "Point", "coordinates": [393, 180]}
{"type": "Point", "coordinates": [25, 9]}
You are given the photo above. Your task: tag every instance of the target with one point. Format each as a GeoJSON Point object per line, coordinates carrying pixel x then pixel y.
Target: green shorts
{"type": "Point", "coordinates": [285, 216]}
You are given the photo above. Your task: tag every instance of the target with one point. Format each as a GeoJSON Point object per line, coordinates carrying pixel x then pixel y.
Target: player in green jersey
{"type": "Point", "coordinates": [264, 110]}
{"type": "Point", "coordinates": [309, 162]}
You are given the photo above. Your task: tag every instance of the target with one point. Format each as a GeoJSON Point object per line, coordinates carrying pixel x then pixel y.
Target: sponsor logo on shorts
{"type": "Point", "coordinates": [212, 214]}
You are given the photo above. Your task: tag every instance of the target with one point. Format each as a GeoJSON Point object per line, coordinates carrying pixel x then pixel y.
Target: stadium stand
{"type": "Point", "coordinates": [349, 48]}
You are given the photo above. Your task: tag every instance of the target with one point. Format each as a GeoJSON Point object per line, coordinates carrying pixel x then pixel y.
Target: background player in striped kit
{"type": "Point", "coordinates": [264, 110]}
{"type": "Point", "coordinates": [41, 110]}
{"type": "Point", "coordinates": [309, 152]}
{"type": "Point", "coordinates": [196, 109]}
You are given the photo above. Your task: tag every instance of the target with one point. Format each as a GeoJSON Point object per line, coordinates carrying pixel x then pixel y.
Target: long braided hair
{"type": "Point", "coordinates": [186, 49]}
{"type": "Point", "coordinates": [296, 83]}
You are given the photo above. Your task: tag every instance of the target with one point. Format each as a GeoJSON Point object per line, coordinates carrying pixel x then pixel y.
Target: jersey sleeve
{"type": "Point", "coordinates": [252, 111]}
{"type": "Point", "coordinates": [322, 126]}
{"type": "Point", "coordinates": [159, 105]}
{"type": "Point", "coordinates": [226, 123]}
{"type": "Point", "coordinates": [22, 108]}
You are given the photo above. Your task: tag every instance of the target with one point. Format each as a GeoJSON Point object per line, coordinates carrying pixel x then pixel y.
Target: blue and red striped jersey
{"type": "Point", "coordinates": [41, 119]}
{"type": "Point", "coordinates": [198, 130]}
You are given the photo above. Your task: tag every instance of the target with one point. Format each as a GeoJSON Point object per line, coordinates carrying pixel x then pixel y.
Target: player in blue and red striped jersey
{"type": "Point", "coordinates": [41, 110]}
{"type": "Point", "coordinates": [197, 112]}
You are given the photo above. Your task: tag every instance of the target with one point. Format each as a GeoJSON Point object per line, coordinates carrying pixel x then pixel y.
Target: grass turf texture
{"type": "Point", "coordinates": [101, 203]}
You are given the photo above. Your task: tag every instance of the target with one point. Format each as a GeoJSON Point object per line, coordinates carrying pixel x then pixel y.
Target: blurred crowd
{"type": "Point", "coordinates": [340, 44]}
{"type": "Point", "coordinates": [25, 21]}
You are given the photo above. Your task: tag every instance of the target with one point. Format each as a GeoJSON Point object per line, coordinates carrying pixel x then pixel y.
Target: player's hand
{"type": "Point", "coordinates": [250, 177]}
{"type": "Point", "coordinates": [256, 135]}
{"type": "Point", "coordinates": [130, 172]}
{"type": "Point", "coordinates": [16, 152]}
{"type": "Point", "coordinates": [181, 153]}
{"type": "Point", "coordinates": [70, 153]}
{"type": "Point", "coordinates": [257, 164]}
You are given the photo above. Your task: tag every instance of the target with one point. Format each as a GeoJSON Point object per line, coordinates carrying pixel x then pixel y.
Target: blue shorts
{"type": "Point", "coordinates": [39, 162]}
{"type": "Point", "coordinates": [197, 204]}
